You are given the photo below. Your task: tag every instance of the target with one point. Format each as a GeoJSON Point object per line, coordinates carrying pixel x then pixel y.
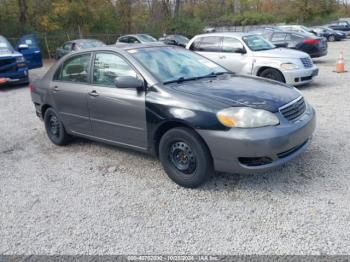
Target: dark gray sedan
{"type": "Point", "coordinates": [193, 114]}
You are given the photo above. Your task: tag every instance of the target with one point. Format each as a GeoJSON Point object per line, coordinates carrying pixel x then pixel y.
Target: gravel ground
{"type": "Point", "coordinates": [90, 198]}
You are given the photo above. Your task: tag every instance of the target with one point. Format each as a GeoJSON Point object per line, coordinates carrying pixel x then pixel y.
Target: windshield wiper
{"type": "Point", "coordinates": [182, 79]}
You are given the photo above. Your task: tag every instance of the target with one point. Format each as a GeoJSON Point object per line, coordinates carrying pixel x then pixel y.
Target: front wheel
{"type": "Point", "coordinates": [55, 129]}
{"type": "Point", "coordinates": [185, 157]}
{"type": "Point", "coordinates": [272, 74]}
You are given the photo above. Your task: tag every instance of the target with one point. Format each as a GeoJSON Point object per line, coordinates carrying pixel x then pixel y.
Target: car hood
{"type": "Point", "coordinates": [7, 53]}
{"type": "Point", "coordinates": [280, 53]}
{"type": "Point", "coordinates": [242, 91]}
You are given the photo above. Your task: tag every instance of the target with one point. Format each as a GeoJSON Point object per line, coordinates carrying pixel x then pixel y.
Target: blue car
{"type": "Point", "coordinates": [15, 63]}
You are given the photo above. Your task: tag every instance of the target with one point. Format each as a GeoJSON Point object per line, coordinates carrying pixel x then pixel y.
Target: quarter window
{"type": "Point", "coordinates": [75, 69]}
{"type": "Point", "coordinates": [107, 67]}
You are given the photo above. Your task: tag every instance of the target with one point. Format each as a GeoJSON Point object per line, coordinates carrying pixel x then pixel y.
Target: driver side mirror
{"type": "Point", "coordinates": [23, 47]}
{"type": "Point", "coordinates": [128, 82]}
{"type": "Point", "coordinates": [241, 51]}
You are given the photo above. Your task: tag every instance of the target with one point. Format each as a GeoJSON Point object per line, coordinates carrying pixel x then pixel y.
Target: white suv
{"type": "Point", "coordinates": [250, 54]}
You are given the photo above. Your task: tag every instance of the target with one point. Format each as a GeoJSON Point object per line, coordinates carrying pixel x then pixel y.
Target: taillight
{"type": "Point", "coordinates": [30, 87]}
{"type": "Point", "coordinates": [312, 41]}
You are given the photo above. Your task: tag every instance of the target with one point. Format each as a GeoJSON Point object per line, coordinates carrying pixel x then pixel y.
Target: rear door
{"type": "Point", "coordinates": [32, 54]}
{"type": "Point", "coordinates": [209, 46]}
{"type": "Point", "coordinates": [116, 114]}
{"type": "Point", "coordinates": [69, 89]}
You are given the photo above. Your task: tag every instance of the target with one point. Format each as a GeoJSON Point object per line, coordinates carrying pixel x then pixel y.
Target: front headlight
{"type": "Point", "coordinates": [20, 59]}
{"type": "Point", "coordinates": [289, 66]}
{"type": "Point", "coordinates": [246, 117]}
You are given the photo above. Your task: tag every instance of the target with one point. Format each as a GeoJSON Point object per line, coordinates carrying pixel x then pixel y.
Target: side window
{"type": "Point", "coordinates": [107, 67]}
{"type": "Point", "coordinates": [278, 37]}
{"type": "Point", "coordinates": [231, 45]}
{"type": "Point", "coordinates": [75, 69]}
{"type": "Point", "coordinates": [67, 46]}
{"type": "Point", "coordinates": [297, 38]}
{"type": "Point", "coordinates": [124, 40]}
{"type": "Point", "coordinates": [195, 45]}
{"type": "Point", "coordinates": [133, 40]}
{"type": "Point", "coordinates": [210, 44]}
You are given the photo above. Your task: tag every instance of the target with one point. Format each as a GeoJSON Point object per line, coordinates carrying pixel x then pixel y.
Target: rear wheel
{"type": "Point", "coordinates": [272, 74]}
{"type": "Point", "coordinates": [55, 129]}
{"type": "Point", "coordinates": [331, 38]}
{"type": "Point", "coordinates": [185, 157]}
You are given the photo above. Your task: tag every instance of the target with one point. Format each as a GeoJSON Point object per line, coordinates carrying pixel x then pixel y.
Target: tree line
{"type": "Point", "coordinates": [157, 16]}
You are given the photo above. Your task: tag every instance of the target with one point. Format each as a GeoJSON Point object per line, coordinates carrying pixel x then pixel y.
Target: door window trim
{"type": "Point", "coordinates": [60, 68]}
{"type": "Point", "coordinates": [205, 51]}
{"type": "Point", "coordinates": [138, 74]}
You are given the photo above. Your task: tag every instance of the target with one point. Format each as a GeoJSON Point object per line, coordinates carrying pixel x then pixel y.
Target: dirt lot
{"type": "Point", "coordinates": [96, 199]}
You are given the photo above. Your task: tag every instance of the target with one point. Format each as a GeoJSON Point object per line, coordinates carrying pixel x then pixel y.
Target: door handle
{"type": "Point", "coordinates": [93, 93]}
{"type": "Point", "coordinates": [56, 89]}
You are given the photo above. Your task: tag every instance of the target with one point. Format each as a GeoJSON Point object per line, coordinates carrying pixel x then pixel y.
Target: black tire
{"type": "Point", "coordinates": [272, 74]}
{"type": "Point", "coordinates": [331, 38]}
{"type": "Point", "coordinates": [55, 129]}
{"type": "Point", "coordinates": [185, 157]}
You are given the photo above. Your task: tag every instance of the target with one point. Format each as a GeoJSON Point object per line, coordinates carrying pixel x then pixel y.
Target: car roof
{"type": "Point", "coordinates": [134, 35]}
{"type": "Point", "coordinates": [228, 34]}
{"type": "Point", "coordinates": [86, 40]}
{"type": "Point", "coordinates": [125, 47]}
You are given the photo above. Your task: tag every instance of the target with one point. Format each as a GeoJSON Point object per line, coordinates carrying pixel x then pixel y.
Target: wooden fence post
{"type": "Point", "coordinates": [47, 46]}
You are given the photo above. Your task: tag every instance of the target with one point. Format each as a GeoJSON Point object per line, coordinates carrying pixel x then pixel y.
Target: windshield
{"type": "Point", "coordinates": [147, 38]}
{"type": "Point", "coordinates": [91, 44]}
{"type": "Point", "coordinates": [5, 45]}
{"type": "Point", "coordinates": [258, 43]}
{"type": "Point", "coordinates": [171, 64]}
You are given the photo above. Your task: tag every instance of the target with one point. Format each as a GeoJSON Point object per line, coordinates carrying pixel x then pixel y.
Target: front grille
{"type": "Point", "coordinates": [7, 61]}
{"type": "Point", "coordinates": [294, 110]}
{"type": "Point", "coordinates": [8, 69]}
{"type": "Point", "coordinates": [307, 62]}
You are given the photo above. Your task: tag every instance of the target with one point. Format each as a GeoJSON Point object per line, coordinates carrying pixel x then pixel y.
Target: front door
{"type": "Point", "coordinates": [234, 57]}
{"type": "Point", "coordinates": [32, 51]}
{"type": "Point", "coordinates": [116, 115]}
{"type": "Point", "coordinates": [70, 89]}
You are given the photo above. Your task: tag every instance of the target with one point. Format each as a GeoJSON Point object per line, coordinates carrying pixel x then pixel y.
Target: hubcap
{"type": "Point", "coordinates": [182, 157]}
{"type": "Point", "coordinates": [54, 126]}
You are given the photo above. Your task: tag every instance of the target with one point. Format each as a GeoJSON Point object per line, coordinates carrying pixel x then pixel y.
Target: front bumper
{"type": "Point", "coordinates": [300, 76]}
{"type": "Point", "coordinates": [18, 77]}
{"type": "Point", "coordinates": [278, 143]}
{"type": "Point", "coordinates": [319, 53]}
